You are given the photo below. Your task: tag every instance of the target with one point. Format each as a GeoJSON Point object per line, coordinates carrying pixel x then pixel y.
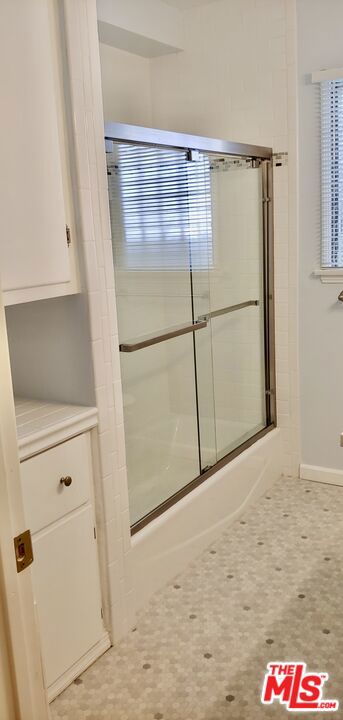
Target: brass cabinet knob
{"type": "Point", "coordinates": [67, 480]}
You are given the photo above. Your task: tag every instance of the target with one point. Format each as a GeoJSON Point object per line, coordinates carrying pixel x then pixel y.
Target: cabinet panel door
{"type": "Point", "coordinates": [33, 247]}
{"type": "Point", "coordinates": [67, 590]}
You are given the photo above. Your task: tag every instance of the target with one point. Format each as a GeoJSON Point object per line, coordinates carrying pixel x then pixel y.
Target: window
{"type": "Point", "coordinates": [160, 209]}
{"type": "Point", "coordinates": [331, 97]}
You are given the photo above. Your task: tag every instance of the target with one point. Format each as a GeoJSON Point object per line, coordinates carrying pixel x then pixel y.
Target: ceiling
{"type": "Point", "coordinates": [186, 4]}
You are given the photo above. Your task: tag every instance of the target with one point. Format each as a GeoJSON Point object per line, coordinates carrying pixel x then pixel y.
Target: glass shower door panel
{"type": "Point", "coordinates": [238, 378]}
{"type": "Point", "coordinates": [160, 422]}
{"type": "Point", "coordinates": [237, 302]}
{"type": "Point", "coordinates": [149, 196]}
{"type": "Point", "coordinates": [201, 265]}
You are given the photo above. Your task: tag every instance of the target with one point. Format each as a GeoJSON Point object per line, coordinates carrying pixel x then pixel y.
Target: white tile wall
{"type": "Point", "coordinates": [252, 100]}
{"type": "Point", "coordinates": [237, 79]}
{"type": "Point", "coordinates": [94, 230]}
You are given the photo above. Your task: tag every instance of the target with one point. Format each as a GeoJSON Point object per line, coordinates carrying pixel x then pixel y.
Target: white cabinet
{"type": "Point", "coordinates": [35, 188]}
{"type": "Point", "coordinates": [66, 588]}
{"type": "Point", "coordinates": [65, 570]}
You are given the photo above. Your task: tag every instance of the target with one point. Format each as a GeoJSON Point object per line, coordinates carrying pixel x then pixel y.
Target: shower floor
{"type": "Point", "coordinates": [163, 457]}
{"type": "Point", "coordinates": [269, 589]}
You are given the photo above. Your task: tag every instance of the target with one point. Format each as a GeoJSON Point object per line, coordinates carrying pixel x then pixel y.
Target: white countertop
{"type": "Point", "coordinates": [41, 424]}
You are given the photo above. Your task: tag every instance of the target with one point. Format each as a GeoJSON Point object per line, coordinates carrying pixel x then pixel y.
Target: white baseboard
{"type": "Point", "coordinates": [79, 667]}
{"type": "Point", "coordinates": [321, 474]}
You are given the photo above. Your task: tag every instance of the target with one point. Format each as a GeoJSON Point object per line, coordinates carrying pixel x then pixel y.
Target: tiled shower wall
{"type": "Point", "coordinates": [257, 107]}
{"type": "Point", "coordinates": [236, 79]}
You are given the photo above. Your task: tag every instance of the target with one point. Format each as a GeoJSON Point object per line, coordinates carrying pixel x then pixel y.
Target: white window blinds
{"type": "Point", "coordinates": [331, 95]}
{"type": "Point", "coordinates": [160, 206]}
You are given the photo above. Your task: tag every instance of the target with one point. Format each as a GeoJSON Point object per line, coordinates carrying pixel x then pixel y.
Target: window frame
{"type": "Point", "coordinates": [327, 274]}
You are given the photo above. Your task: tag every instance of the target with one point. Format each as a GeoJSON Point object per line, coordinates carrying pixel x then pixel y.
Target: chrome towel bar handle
{"type": "Point", "coordinates": [228, 309]}
{"type": "Point", "coordinates": [168, 334]}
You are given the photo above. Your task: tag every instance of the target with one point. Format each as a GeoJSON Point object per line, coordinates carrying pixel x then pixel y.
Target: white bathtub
{"type": "Point", "coordinates": [164, 547]}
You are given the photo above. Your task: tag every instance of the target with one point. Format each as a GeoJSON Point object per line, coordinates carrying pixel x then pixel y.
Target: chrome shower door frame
{"type": "Point", "coordinates": [133, 134]}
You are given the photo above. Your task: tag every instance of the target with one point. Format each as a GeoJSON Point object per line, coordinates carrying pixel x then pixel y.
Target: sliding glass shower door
{"type": "Point", "coordinates": [158, 205]}
{"type": "Point", "coordinates": [188, 233]}
{"type": "Point", "coordinates": [236, 311]}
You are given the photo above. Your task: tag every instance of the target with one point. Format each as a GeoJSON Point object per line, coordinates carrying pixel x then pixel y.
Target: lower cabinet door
{"type": "Point", "coordinates": [67, 591]}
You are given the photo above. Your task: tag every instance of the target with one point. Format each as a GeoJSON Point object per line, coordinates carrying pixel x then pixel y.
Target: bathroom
{"type": "Point", "coordinates": [170, 420]}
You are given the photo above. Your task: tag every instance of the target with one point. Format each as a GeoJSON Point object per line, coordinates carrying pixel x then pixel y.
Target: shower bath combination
{"type": "Point", "coordinates": [192, 237]}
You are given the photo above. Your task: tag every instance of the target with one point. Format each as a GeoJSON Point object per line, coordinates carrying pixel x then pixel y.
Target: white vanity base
{"type": "Point", "coordinates": [56, 447]}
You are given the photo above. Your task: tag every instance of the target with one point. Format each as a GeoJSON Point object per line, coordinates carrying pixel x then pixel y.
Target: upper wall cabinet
{"type": "Point", "coordinates": [36, 259]}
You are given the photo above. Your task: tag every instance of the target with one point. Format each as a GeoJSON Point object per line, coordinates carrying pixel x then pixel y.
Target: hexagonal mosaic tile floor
{"type": "Point", "coordinates": [271, 588]}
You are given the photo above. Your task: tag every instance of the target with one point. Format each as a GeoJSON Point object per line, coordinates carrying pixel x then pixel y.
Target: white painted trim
{"type": "Point", "coordinates": [79, 667]}
{"type": "Point", "coordinates": [41, 292]}
{"type": "Point", "coordinates": [17, 589]}
{"type": "Point", "coordinates": [7, 694]}
{"type": "Point", "coordinates": [331, 74]}
{"type": "Point", "coordinates": [330, 476]}
{"type": "Point", "coordinates": [330, 275]}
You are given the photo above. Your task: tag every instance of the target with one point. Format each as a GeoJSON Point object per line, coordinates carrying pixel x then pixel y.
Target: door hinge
{"type": "Point", "coordinates": [94, 531]}
{"type": "Point", "coordinates": [23, 550]}
{"type": "Point", "coordinates": [102, 613]}
{"type": "Point", "coordinates": [68, 234]}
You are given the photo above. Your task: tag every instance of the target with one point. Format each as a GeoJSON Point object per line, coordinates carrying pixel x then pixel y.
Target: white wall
{"type": "Point", "coordinates": [126, 86]}
{"type": "Point", "coordinates": [147, 28]}
{"type": "Point", "coordinates": [49, 349]}
{"type": "Point", "coordinates": [321, 316]}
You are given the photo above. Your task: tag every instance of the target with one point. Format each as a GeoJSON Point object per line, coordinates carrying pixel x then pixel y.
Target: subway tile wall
{"type": "Point", "coordinates": [95, 240]}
